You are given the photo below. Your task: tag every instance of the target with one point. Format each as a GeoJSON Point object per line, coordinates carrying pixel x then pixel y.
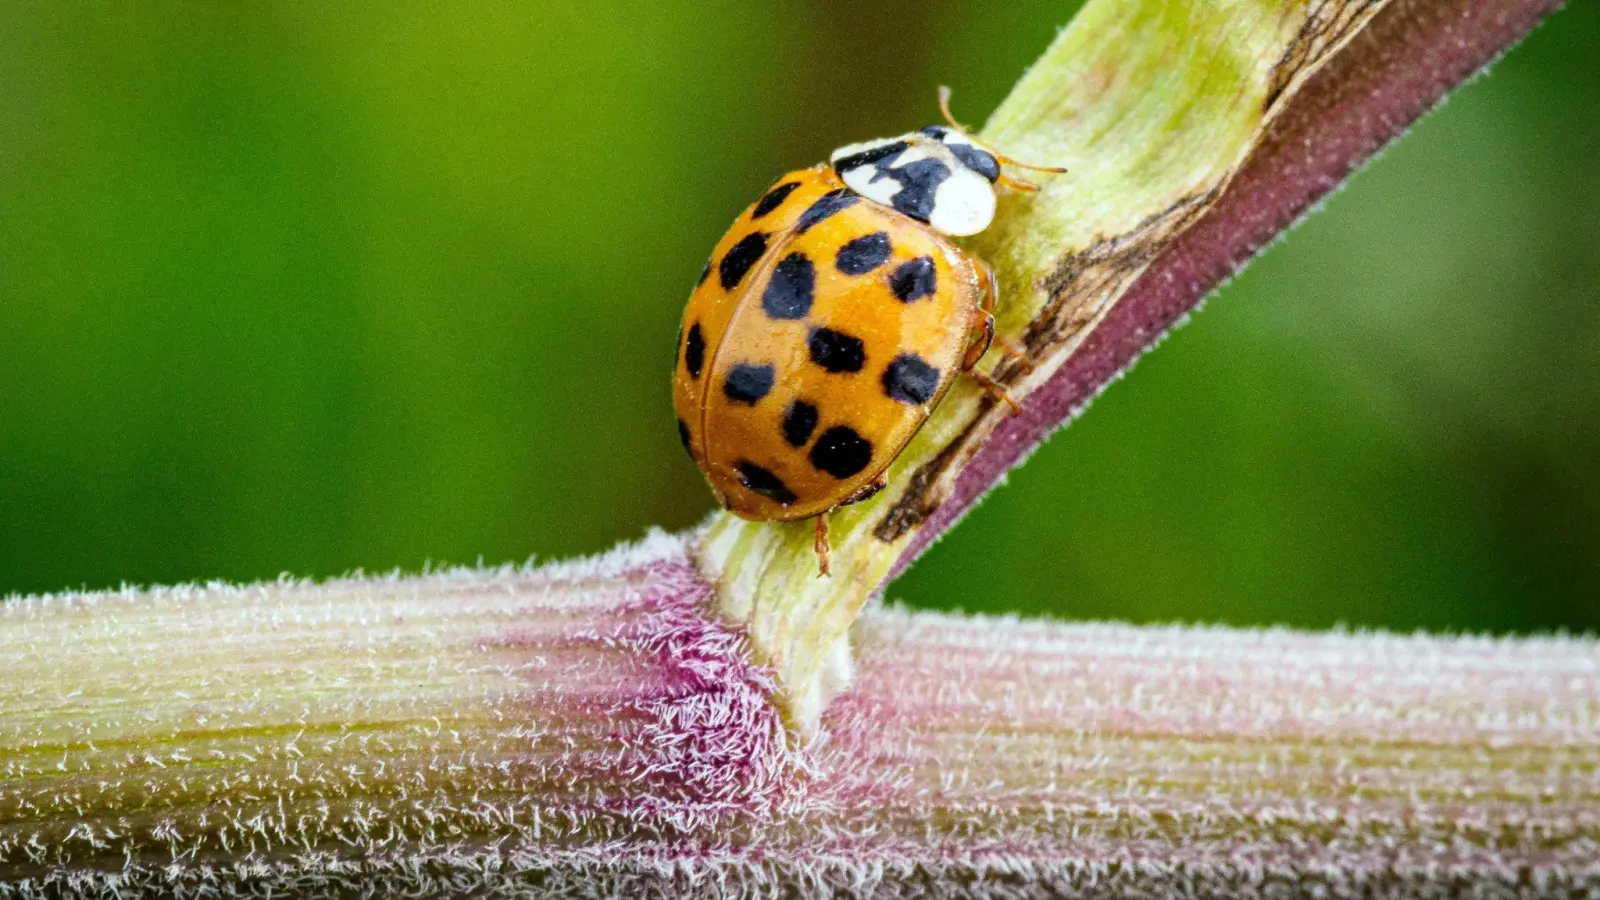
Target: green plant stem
{"type": "Point", "coordinates": [1151, 105]}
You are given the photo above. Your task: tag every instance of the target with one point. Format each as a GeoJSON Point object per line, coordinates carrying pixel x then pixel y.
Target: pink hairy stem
{"type": "Point", "coordinates": [1400, 66]}
{"type": "Point", "coordinates": [584, 730]}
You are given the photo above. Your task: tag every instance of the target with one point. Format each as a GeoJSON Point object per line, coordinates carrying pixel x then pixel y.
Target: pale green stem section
{"type": "Point", "coordinates": [1152, 105]}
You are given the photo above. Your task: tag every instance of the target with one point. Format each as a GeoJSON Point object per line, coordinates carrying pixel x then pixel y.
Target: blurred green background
{"type": "Point", "coordinates": [310, 288]}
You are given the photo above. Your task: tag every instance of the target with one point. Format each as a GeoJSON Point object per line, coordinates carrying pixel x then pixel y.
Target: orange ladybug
{"type": "Point", "coordinates": [831, 319]}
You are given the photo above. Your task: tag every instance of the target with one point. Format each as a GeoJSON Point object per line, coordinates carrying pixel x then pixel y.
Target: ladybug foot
{"type": "Point", "coordinates": [821, 545]}
{"type": "Point", "coordinates": [1017, 184]}
{"type": "Point", "coordinates": [866, 493]}
{"type": "Point", "coordinates": [1014, 352]}
{"type": "Point", "coordinates": [993, 389]}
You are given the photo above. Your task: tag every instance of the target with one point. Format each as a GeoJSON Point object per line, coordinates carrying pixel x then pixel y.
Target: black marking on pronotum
{"type": "Point", "coordinates": [836, 351]}
{"type": "Point", "coordinates": [798, 423]}
{"type": "Point", "coordinates": [841, 452]}
{"type": "Point", "coordinates": [748, 383]}
{"type": "Point", "coordinates": [773, 199]}
{"type": "Point", "coordinates": [740, 258]}
{"type": "Point", "coordinates": [936, 131]}
{"type": "Point", "coordinates": [790, 289]}
{"type": "Point", "coordinates": [875, 156]}
{"type": "Point", "coordinates": [683, 435]}
{"type": "Point", "coordinates": [763, 482]}
{"type": "Point", "coordinates": [694, 351]}
{"type": "Point", "coordinates": [910, 380]}
{"type": "Point", "coordinates": [828, 204]}
{"type": "Point", "coordinates": [863, 254]}
{"type": "Point", "coordinates": [919, 181]}
{"type": "Point", "coordinates": [914, 279]}
{"type": "Point", "coordinates": [978, 160]}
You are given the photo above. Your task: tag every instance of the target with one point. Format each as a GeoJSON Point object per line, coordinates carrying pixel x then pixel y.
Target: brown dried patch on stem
{"type": "Point", "coordinates": [1081, 290]}
{"type": "Point", "coordinates": [1329, 24]}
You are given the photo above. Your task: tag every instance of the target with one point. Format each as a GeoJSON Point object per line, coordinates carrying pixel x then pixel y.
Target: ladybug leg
{"type": "Point", "coordinates": [979, 344]}
{"type": "Point", "coordinates": [821, 544]}
{"type": "Point", "coordinates": [1010, 348]}
{"type": "Point", "coordinates": [984, 336]}
{"type": "Point", "coordinates": [867, 492]}
{"type": "Point", "coordinates": [1014, 352]}
{"type": "Point", "coordinates": [993, 389]}
{"type": "Point", "coordinates": [1017, 184]}
{"type": "Point", "coordinates": [983, 317]}
{"type": "Point", "coordinates": [988, 296]}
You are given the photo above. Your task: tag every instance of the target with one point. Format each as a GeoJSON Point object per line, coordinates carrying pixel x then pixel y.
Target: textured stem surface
{"type": "Point", "coordinates": [1194, 132]}
{"type": "Point", "coordinates": [586, 729]}
{"type": "Point", "coordinates": [583, 729]}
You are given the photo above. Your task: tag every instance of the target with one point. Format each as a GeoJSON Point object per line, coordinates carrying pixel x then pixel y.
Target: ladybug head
{"type": "Point", "coordinates": [940, 175]}
{"type": "Point", "coordinates": [937, 175]}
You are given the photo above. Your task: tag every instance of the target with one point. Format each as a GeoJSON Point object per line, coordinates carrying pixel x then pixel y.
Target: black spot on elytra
{"type": "Point", "coordinates": [694, 351]}
{"type": "Point", "coordinates": [747, 383]}
{"type": "Point", "coordinates": [914, 279]}
{"type": "Point", "coordinates": [763, 482]}
{"type": "Point", "coordinates": [978, 160]}
{"type": "Point", "coordinates": [798, 423]}
{"type": "Point", "coordinates": [740, 258]}
{"type": "Point", "coordinates": [936, 131]}
{"type": "Point", "coordinates": [875, 156]}
{"type": "Point", "coordinates": [918, 182]}
{"type": "Point", "coordinates": [704, 273]}
{"type": "Point", "coordinates": [836, 351]}
{"type": "Point", "coordinates": [841, 452]}
{"type": "Point", "coordinates": [828, 204]}
{"type": "Point", "coordinates": [773, 199]}
{"type": "Point", "coordinates": [910, 380]}
{"type": "Point", "coordinates": [863, 254]}
{"type": "Point", "coordinates": [791, 288]}
{"type": "Point", "coordinates": [683, 435]}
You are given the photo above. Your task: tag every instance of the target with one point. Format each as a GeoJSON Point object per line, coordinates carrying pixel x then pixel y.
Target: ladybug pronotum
{"type": "Point", "coordinates": [831, 319]}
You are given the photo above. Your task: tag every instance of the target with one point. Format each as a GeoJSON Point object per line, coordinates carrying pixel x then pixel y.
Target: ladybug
{"type": "Point", "coordinates": [832, 318]}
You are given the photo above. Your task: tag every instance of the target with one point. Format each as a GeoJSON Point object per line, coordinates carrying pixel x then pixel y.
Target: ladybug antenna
{"type": "Point", "coordinates": [944, 109]}
{"type": "Point", "coordinates": [1004, 160]}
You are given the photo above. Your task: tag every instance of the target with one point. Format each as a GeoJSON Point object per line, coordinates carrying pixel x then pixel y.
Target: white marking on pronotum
{"type": "Point", "coordinates": [964, 204]}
